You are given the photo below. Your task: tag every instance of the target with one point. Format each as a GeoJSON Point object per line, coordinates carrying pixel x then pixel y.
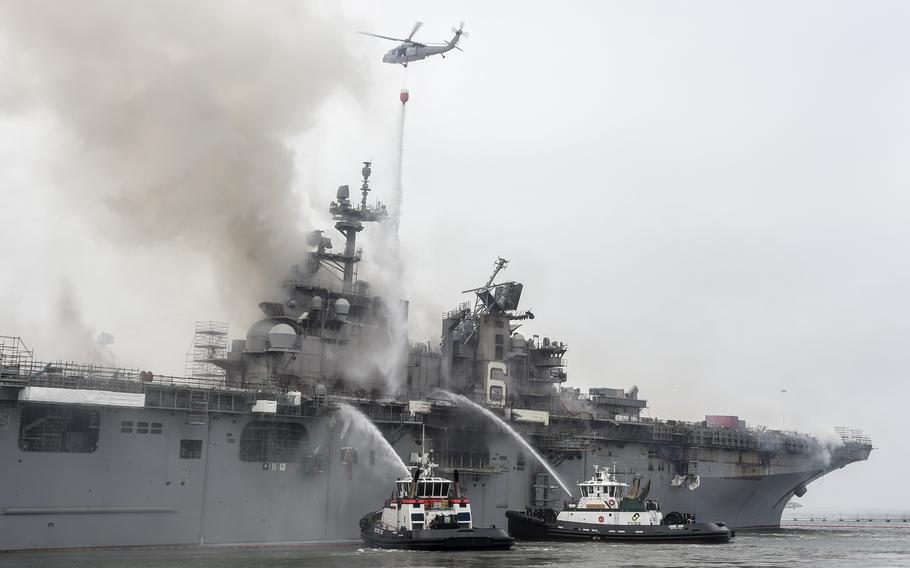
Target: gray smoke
{"type": "Point", "coordinates": [176, 119]}
{"type": "Point", "coordinates": [74, 337]}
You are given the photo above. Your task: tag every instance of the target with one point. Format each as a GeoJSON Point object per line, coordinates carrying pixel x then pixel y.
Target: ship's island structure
{"type": "Point", "coordinates": [249, 446]}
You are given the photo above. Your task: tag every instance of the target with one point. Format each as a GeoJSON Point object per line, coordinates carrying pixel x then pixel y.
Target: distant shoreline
{"type": "Point", "coordinates": [838, 520]}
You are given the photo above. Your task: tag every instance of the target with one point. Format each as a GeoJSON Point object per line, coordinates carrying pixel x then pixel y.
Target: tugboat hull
{"type": "Point", "coordinates": [529, 527]}
{"type": "Point", "coordinates": [490, 538]}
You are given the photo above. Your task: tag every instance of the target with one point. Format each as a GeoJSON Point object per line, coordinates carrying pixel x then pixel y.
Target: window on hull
{"type": "Point", "coordinates": [263, 441]}
{"type": "Point", "coordinates": [190, 449]}
{"type": "Point", "coordinates": [54, 428]}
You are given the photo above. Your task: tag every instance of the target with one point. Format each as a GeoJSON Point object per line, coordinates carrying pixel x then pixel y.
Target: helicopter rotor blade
{"type": "Point", "coordinates": [384, 37]}
{"type": "Point", "coordinates": [414, 31]}
{"type": "Point", "coordinates": [460, 30]}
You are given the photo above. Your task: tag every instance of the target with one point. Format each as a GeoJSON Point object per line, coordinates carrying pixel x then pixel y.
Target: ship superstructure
{"type": "Point", "coordinates": [251, 447]}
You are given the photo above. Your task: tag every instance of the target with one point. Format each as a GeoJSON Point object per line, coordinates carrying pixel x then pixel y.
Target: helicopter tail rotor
{"type": "Point", "coordinates": [460, 30]}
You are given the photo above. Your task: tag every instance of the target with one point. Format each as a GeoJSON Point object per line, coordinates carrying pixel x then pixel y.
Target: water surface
{"type": "Point", "coordinates": [828, 546]}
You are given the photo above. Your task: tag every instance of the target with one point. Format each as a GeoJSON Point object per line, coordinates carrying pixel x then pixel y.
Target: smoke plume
{"type": "Point", "coordinates": [826, 443]}
{"type": "Point", "coordinates": [176, 119]}
{"type": "Point", "coordinates": [73, 335]}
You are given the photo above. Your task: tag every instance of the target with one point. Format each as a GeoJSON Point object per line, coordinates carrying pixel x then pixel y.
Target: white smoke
{"type": "Point", "coordinates": [827, 442]}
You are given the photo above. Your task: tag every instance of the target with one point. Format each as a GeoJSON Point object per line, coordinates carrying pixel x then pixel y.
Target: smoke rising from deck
{"type": "Point", "coordinates": [826, 443]}
{"type": "Point", "coordinates": [75, 337]}
{"type": "Point", "coordinates": [176, 119]}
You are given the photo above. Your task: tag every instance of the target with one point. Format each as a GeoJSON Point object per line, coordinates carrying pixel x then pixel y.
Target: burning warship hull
{"type": "Point", "coordinates": [250, 447]}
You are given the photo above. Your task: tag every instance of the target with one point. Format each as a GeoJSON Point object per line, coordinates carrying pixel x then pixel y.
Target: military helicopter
{"type": "Point", "coordinates": [411, 50]}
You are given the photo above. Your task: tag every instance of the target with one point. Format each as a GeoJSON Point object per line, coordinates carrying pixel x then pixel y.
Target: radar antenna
{"type": "Point", "coordinates": [349, 221]}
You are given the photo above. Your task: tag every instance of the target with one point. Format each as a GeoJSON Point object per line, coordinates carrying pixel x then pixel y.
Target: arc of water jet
{"type": "Point", "coordinates": [457, 398]}
{"type": "Point", "coordinates": [386, 448]}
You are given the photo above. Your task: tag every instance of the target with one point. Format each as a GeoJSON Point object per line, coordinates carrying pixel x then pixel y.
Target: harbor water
{"type": "Point", "coordinates": [831, 546]}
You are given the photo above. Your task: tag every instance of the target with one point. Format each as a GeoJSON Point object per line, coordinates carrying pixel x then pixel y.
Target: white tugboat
{"type": "Point", "coordinates": [608, 510]}
{"type": "Point", "coordinates": [429, 513]}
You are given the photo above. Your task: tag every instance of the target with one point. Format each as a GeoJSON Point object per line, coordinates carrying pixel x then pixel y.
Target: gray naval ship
{"type": "Point", "coordinates": [252, 447]}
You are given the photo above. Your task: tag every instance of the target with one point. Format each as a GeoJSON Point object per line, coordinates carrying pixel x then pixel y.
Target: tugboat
{"type": "Point", "coordinates": [429, 513]}
{"type": "Point", "coordinates": [606, 511]}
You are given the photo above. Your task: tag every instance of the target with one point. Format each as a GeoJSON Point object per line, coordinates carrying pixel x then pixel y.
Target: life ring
{"type": "Point", "coordinates": [611, 503]}
{"type": "Point", "coordinates": [600, 519]}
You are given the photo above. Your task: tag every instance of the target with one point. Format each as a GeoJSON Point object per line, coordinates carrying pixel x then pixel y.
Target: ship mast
{"type": "Point", "coordinates": [349, 221]}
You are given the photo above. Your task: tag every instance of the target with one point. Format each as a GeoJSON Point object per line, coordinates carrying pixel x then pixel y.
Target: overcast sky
{"type": "Point", "coordinates": [706, 199]}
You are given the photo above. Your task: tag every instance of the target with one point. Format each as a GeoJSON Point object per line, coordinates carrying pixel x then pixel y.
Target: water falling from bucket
{"type": "Point", "coordinates": [463, 400]}
{"type": "Point", "coordinates": [360, 422]}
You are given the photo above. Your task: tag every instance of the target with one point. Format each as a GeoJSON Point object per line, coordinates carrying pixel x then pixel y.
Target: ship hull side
{"type": "Point", "coordinates": [136, 490]}
{"type": "Point", "coordinates": [131, 491]}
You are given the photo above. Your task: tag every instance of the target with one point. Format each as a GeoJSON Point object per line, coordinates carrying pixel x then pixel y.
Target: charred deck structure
{"type": "Point", "coordinates": [247, 447]}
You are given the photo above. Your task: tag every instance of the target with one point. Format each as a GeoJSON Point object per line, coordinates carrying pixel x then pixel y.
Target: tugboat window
{"type": "Point", "coordinates": [53, 428]}
{"type": "Point", "coordinates": [263, 441]}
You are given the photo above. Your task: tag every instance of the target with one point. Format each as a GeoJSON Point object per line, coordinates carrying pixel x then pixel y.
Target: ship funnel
{"type": "Point", "coordinates": [456, 484]}
{"type": "Point", "coordinates": [344, 192]}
